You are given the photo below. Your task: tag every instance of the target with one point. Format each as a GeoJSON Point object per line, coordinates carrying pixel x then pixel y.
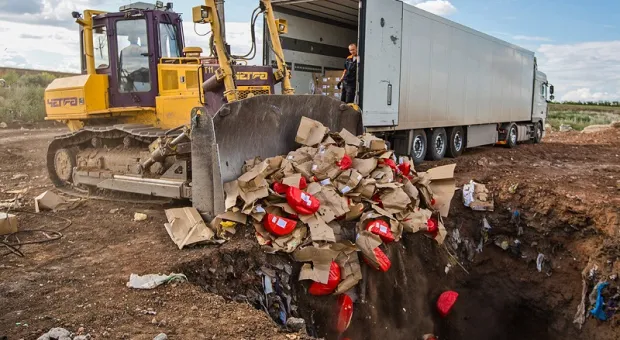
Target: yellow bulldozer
{"type": "Point", "coordinates": [150, 116]}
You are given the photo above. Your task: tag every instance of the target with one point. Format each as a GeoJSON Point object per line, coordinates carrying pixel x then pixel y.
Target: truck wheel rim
{"type": "Point", "coordinates": [439, 145]}
{"type": "Point", "coordinates": [458, 141]}
{"type": "Point", "coordinates": [513, 135]}
{"type": "Point", "coordinates": [418, 147]}
{"type": "Point", "coordinates": [538, 132]}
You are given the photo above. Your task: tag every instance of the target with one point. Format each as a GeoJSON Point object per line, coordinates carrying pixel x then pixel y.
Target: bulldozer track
{"type": "Point", "coordinates": [72, 141]}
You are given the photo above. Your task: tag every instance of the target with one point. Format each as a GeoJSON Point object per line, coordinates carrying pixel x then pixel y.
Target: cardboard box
{"type": "Point", "coordinates": [186, 227]}
{"type": "Point", "coordinates": [8, 223]}
{"type": "Point", "coordinates": [310, 132]}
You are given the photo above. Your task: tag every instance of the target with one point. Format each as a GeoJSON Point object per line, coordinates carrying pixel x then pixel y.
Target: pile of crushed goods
{"type": "Point", "coordinates": [333, 204]}
{"type": "Point", "coordinates": [334, 211]}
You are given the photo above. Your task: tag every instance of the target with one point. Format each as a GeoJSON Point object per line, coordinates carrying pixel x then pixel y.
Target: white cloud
{"type": "Point", "coordinates": [583, 71]}
{"type": "Point", "coordinates": [531, 38]}
{"type": "Point", "coordinates": [439, 7]}
{"type": "Point", "coordinates": [52, 12]}
{"type": "Point", "coordinates": [56, 48]}
{"type": "Point", "coordinates": [584, 94]}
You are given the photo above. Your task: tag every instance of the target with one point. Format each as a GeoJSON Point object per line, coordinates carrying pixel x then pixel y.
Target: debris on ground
{"type": "Point", "coordinates": [3, 125]}
{"type": "Point", "coordinates": [8, 223]}
{"type": "Point", "coordinates": [51, 201]}
{"type": "Point", "coordinates": [19, 176]}
{"type": "Point", "coordinates": [477, 197]}
{"type": "Point", "coordinates": [151, 281]}
{"type": "Point", "coordinates": [137, 217]}
{"type": "Point", "coordinates": [186, 227]}
{"type": "Point", "coordinates": [63, 334]}
{"type": "Point", "coordinates": [161, 336]}
{"type": "Point", "coordinates": [565, 128]}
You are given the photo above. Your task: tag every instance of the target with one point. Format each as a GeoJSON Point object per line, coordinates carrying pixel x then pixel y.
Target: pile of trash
{"type": "Point", "coordinates": [603, 300]}
{"type": "Point", "coordinates": [337, 198]}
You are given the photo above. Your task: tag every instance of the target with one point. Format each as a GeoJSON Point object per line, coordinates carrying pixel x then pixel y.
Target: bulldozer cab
{"type": "Point", "coordinates": [128, 46]}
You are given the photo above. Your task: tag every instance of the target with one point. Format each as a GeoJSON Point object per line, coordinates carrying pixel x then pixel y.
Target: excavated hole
{"type": "Point", "coordinates": [503, 296]}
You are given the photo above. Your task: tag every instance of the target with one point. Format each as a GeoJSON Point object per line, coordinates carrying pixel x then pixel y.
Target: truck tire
{"type": "Point", "coordinates": [437, 144]}
{"type": "Point", "coordinates": [511, 136]}
{"type": "Point", "coordinates": [538, 132]}
{"type": "Point", "coordinates": [418, 146]}
{"type": "Point", "coordinates": [456, 142]}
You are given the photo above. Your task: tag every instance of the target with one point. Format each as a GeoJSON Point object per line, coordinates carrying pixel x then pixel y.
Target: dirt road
{"type": "Point", "coordinates": [567, 190]}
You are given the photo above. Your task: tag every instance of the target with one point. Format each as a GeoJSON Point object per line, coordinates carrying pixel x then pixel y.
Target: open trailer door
{"type": "Point", "coordinates": [380, 55]}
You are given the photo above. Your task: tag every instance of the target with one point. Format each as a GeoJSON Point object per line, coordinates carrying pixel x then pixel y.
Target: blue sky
{"type": "Point", "coordinates": [577, 42]}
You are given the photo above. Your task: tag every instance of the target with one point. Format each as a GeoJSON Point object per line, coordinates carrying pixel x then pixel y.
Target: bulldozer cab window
{"type": "Point", "coordinates": [133, 56]}
{"type": "Point", "coordinates": [168, 41]}
{"type": "Point", "coordinates": [100, 41]}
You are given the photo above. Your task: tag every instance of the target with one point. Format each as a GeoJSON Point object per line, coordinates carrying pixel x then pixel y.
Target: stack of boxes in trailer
{"type": "Point", "coordinates": [327, 84]}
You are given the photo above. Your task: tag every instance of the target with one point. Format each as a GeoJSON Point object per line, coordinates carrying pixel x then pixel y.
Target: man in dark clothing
{"type": "Point", "coordinates": [349, 76]}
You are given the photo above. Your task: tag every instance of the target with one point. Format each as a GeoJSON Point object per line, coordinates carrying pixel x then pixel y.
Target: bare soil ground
{"type": "Point", "coordinates": [567, 191]}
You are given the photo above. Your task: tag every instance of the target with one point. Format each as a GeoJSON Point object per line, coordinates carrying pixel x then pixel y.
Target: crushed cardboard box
{"type": "Point", "coordinates": [477, 197]}
{"type": "Point", "coordinates": [8, 223]}
{"type": "Point", "coordinates": [186, 227]}
{"type": "Point", "coordinates": [51, 201]}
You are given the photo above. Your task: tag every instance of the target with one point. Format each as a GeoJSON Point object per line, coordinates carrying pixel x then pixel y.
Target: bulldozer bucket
{"type": "Point", "coordinates": [261, 126]}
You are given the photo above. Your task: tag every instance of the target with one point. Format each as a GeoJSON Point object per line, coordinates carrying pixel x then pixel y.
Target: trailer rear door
{"type": "Point", "coordinates": [380, 55]}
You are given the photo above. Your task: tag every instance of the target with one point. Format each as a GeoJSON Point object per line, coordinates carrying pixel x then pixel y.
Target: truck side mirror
{"type": "Point", "coordinates": [551, 90]}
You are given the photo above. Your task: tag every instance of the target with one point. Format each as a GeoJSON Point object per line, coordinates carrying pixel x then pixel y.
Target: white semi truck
{"type": "Point", "coordinates": [429, 85]}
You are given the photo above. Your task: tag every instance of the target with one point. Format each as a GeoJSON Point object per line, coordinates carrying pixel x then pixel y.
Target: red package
{"type": "Point", "coordinates": [345, 313]}
{"type": "Point", "coordinates": [303, 183]}
{"type": "Point", "coordinates": [389, 162]}
{"type": "Point", "coordinates": [280, 188]}
{"type": "Point", "coordinates": [318, 289]}
{"type": "Point", "coordinates": [405, 168]}
{"type": "Point", "coordinates": [384, 262]}
{"type": "Point", "coordinates": [381, 228]}
{"type": "Point", "coordinates": [302, 202]}
{"type": "Point", "coordinates": [345, 163]}
{"type": "Point", "coordinates": [432, 227]}
{"type": "Point", "coordinates": [279, 225]}
{"type": "Point", "coordinates": [433, 201]}
{"type": "Point", "coordinates": [446, 301]}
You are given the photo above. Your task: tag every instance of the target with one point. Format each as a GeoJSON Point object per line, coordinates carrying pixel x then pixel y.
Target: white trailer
{"type": "Point", "coordinates": [431, 86]}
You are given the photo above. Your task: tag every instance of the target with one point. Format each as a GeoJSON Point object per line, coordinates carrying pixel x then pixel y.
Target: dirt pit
{"type": "Point", "coordinates": [502, 295]}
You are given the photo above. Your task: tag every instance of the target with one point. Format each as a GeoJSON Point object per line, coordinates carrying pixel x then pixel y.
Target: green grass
{"type": "Point", "coordinates": [581, 116]}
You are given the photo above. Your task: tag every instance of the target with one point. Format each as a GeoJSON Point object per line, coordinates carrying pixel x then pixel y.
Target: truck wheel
{"type": "Point", "coordinates": [437, 144]}
{"type": "Point", "coordinates": [511, 137]}
{"type": "Point", "coordinates": [538, 132]}
{"type": "Point", "coordinates": [456, 142]}
{"type": "Point", "coordinates": [418, 146]}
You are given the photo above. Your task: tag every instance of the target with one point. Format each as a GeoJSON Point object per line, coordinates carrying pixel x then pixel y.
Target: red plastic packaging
{"type": "Point", "coordinates": [381, 228]}
{"type": "Point", "coordinates": [405, 168]}
{"type": "Point", "coordinates": [281, 188]}
{"type": "Point", "coordinates": [279, 225]}
{"type": "Point", "coordinates": [432, 227]}
{"type": "Point", "coordinates": [302, 202]}
{"type": "Point", "coordinates": [384, 261]}
{"type": "Point", "coordinates": [446, 301]}
{"type": "Point", "coordinates": [345, 313]}
{"type": "Point", "coordinates": [389, 162]}
{"type": "Point", "coordinates": [345, 163]}
{"type": "Point", "coordinates": [318, 289]}
{"type": "Point", "coordinates": [303, 183]}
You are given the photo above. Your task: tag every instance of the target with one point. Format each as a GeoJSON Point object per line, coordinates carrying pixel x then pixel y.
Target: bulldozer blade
{"type": "Point", "coordinates": [262, 126]}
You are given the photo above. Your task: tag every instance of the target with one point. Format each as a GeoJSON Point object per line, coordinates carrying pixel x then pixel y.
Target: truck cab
{"type": "Point", "coordinates": [128, 45]}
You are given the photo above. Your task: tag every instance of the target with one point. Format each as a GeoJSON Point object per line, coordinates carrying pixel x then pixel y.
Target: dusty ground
{"type": "Point", "coordinates": [568, 193]}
